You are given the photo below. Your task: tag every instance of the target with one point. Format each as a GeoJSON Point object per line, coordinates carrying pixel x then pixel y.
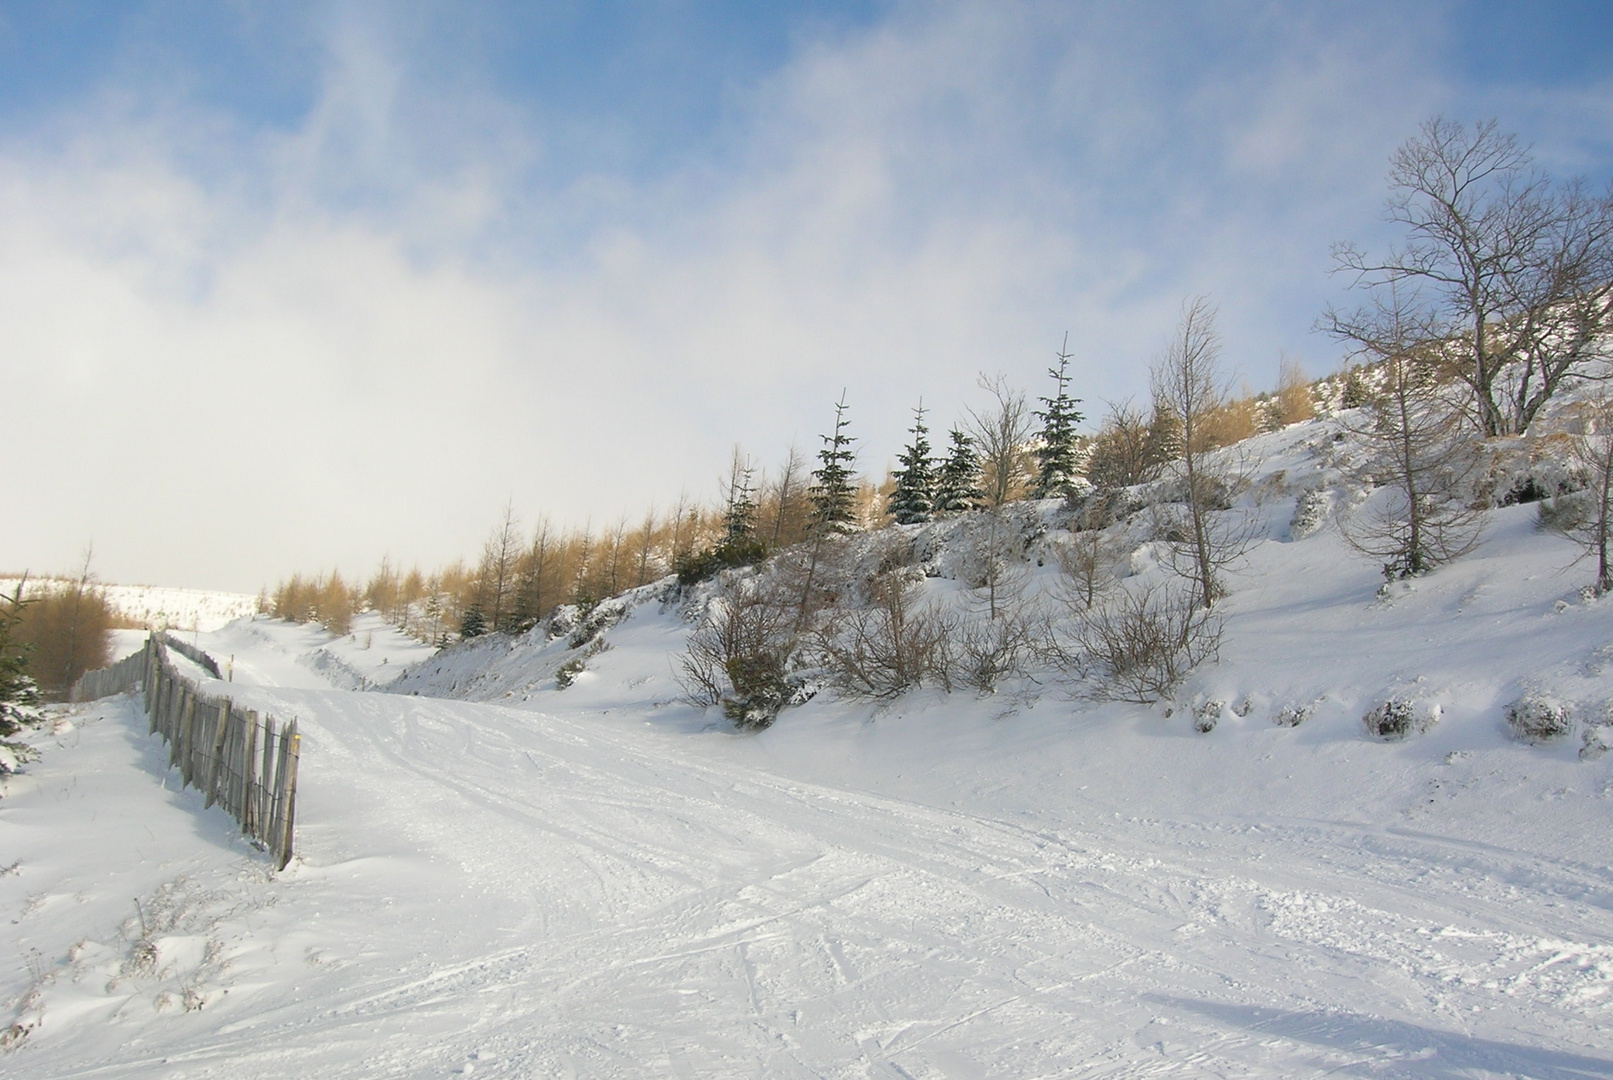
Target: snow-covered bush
{"type": "Point", "coordinates": [892, 645]}
{"type": "Point", "coordinates": [567, 673]}
{"type": "Point", "coordinates": [1400, 718]}
{"type": "Point", "coordinates": [588, 623]}
{"type": "Point", "coordinates": [1293, 715]}
{"type": "Point", "coordinates": [1593, 744]}
{"type": "Point", "coordinates": [1310, 511]}
{"type": "Point", "coordinates": [987, 651]}
{"type": "Point", "coordinates": [1206, 715]}
{"type": "Point", "coordinates": [739, 656]}
{"type": "Point", "coordinates": [1137, 646]}
{"type": "Point", "coordinates": [1538, 718]}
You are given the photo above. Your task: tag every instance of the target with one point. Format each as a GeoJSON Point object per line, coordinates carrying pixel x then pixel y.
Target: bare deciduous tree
{"type": "Point", "coordinates": [497, 575]}
{"type": "Point", "coordinates": [1510, 271]}
{"type": "Point", "coordinates": [1202, 538]}
{"type": "Point", "coordinates": [1586, 517]}
{"type": "Point", "coordinates": [787, 501]}
{"type": "Point", "coordinates": [1002, 430]}
{"type": "Point", "coordinates": [1417, 451]}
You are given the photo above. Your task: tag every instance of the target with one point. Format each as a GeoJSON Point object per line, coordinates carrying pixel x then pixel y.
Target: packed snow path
{"type": "Point", "coordinates": [493, 891]}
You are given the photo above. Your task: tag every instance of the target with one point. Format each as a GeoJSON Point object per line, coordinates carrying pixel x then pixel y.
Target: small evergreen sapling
{"type": "Point", "coordinates": [739, 517]}
{"type": "Point", "coordinates": [957, 484]}
{"type": "Point", "coordinates": [19, 696]}
{"type": "Point", "coordinates": [834, 493]}
{"type": "Point", "coordinates": [913, 501]}
{"type": "Point", "coordinates": [1056, 465]}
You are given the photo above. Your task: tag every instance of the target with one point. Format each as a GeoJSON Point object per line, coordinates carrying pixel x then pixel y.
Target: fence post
{"type": "Point", "coordinates": [293, 754]}
{"type": "Point", "coordinates": [187, 730]}
{"type": "Point", "coordinates": [249, 753]}
{"type": "Point", "coordinates": [265, 792]}
{"type": "Point", "coordinates": [217, 750]}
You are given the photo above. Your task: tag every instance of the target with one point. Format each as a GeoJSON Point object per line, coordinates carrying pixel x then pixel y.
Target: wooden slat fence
{"type": "Point", "coordinates": [237, 759]}
{"type": "Point", "coordinates": [208, 664]}
{"type": "Point", "coordinates": [122, 677]}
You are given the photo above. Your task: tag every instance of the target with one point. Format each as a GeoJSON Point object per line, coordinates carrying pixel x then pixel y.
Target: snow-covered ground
{"type": "Point", "coordinates": [500, 877]}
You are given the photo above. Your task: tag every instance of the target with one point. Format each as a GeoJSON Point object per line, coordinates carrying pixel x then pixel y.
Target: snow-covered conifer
{"type": "Point", "coordinates": [957, 483]}
{"type": "Point", "coordinates": [739, 516]}
{"type": "Point", "coordinates": [834, 493]}
{"type": "Point", "coordinates": [913, 501]}
{"type": "Point", "coordinates": [19, 696]}
{"type": "Point", "coordinates": [1056, 464]}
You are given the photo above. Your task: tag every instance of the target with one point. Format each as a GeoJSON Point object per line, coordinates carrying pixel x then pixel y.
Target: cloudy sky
{"type": "Point", "coordinates": [286, 287]}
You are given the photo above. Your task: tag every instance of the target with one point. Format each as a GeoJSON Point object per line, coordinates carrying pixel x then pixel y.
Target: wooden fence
{"type": "Point", "coordinates": [207, 663]}
{"type": "Point", "coordinates": [245, 763]}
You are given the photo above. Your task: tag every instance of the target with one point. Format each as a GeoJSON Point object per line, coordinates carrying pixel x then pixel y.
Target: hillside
{"type": "Point", "coordinates": [500, 876]}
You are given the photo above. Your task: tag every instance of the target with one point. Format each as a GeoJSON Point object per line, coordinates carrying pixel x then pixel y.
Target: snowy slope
{"type": "Point", "coordinates": [502, 877]}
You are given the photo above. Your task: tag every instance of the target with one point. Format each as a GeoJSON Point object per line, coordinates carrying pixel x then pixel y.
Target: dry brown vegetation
{"type": "Point", "coordinates": [68, 631]}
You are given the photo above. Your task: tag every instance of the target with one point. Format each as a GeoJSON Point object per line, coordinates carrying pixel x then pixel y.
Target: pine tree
{"type": "Point", "coordinates": [957, 484]}
{"type": "Point", "coordinates": [913, 501]}
{"type": "Point", "coordinates": [474, 623]}
{"type": "Point", "coordinates": [834, 495]}
{"type": "Point", "coordinates": [1056, 455]}
{"type": "Point", "coordinates": [739, 518]}
{"type": "Point", "coordinates": [19, 696]}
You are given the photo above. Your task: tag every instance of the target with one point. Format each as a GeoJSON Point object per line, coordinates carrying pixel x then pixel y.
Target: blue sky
{"type": "Point", "coordinates": [359, 273]}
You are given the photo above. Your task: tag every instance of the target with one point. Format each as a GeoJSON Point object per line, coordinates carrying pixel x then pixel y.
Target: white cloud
{"type": "Point", "coordinates": [245, 353]}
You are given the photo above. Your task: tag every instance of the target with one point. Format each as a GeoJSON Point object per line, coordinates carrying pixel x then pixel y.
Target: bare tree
{"type": "Point", "coordinates": [1086, 565]}
{"type": "Point", "coordinates": [1129, 448]}
{"type": "Point", "coordinates": [1002, 430]}
{"type": "Point", "coordinates": [497, 575]}
{"type": "Point", "coordinates": [1416, 450]}
{"type": "Point", "coordinates": [616, 548]}
{"type": "Point", "coordinates": [646, 544]}
{"type": "Point", "coordinates": [68, 630]}
{"type": "Point", "coordinates": [1586, 517]}
{"type": "Point", "coordinates": [1201, 538]}
{"type": "Point", "coordinates": [537, 587]}
{"type": "Point", "coordinates": [1293, 398]}
{"type": "Point", "coordinates": [787, 496]}
{"type": "Point", "coordinates": [1510, 271]}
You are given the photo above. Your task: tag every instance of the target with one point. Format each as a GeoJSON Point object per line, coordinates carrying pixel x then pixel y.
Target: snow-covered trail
{"type": "Point", "coordinates": [488, 890]}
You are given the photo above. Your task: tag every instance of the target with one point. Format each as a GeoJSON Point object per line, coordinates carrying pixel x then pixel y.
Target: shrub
{"type": "Point", "coordinates": [738, 657]}
{"type": "Point", "coordinates": [1206, 715]}
{"type": "Point", "coordinates": [1399, 718]}
{"type": "Point", "coordinates": [1310, 510]}
{"type": "Point", "coordinates": [736, 551]}
{"type": "Point", "coordinates": [1537, 718]}
{"type": "Point", "coordinates": [1292, 715]}
{"type": "Point", "coordinates": [986, 651]}
{"type": "Point", "coordinates": [68, 632]}
{"type": "Point", "coordinates": [1137, 646]}
{"type": "Point", "coordinates": [568, 672]}
{"type": "Point", "coordinates": [890, 646]}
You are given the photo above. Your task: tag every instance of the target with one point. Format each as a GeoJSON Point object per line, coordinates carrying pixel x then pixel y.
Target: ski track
{"type": "Point", "coordinates": [574, 897]}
